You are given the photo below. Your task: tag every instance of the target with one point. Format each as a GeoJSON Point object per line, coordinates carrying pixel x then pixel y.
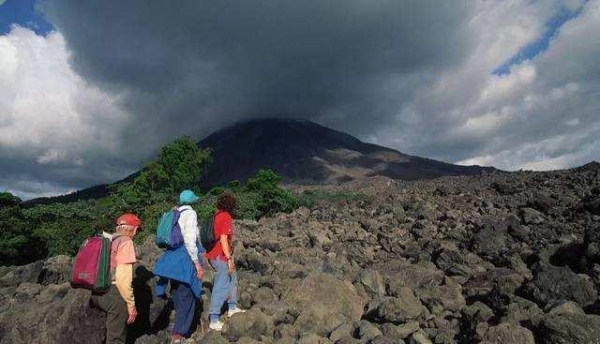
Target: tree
{"type": "Point", "coordinates": [180, 165]}
{"type": "Point", "coordinates": [8, 200]}
{"type": "Point", "coordinates": [17, 244]}
{"type": "Point", "coordinates": [271, 198]}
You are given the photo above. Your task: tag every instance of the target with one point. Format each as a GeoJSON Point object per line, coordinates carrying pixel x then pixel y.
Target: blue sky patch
{"type": "Point", "coordinates": [533, 49]}
{"type": "Point", "coordinates": [23, 13]}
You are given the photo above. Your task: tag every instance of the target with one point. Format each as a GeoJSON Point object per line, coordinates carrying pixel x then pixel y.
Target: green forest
{"type": "Point", "coordinates": [29, 233]}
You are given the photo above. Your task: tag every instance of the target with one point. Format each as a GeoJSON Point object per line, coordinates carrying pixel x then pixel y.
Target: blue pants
{"type": "Point", "coordinates": [185, 307]}
{"type": "Point", "coordinates": [224, 288]}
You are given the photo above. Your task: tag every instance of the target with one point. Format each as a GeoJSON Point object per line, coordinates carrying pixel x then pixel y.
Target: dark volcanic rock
{"type": "Point", "coordinates": [560, 283]}
{"type": "Point", "coordinates": [413, 276]}
{"type": "Point", "coordinates": [508, 333]}
{"type": "Point", "coordinates": [13, 276]}
{"type": "Point", "coordinates": [440, 298]}
{"type": "Point", "coordinates": [61, 315]}
{"type": "Point", "coordinates": [485, 259]}
{"type": "Point", "coordinates": [253, 324]}
{"type": "Point", "coordinates": [399, 309]}
{"type": "Point", "coordinates": [571, 328]}
{"type": "Point", "coordinates": [323, 303]}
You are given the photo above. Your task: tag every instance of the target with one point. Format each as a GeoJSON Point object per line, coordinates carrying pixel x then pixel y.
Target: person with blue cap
{"type": "Point", "coordinates": [182, 268]}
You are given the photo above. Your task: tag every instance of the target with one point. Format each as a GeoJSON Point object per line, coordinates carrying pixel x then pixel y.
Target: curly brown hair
{"type": "Point", "coordinates": [226, 202]}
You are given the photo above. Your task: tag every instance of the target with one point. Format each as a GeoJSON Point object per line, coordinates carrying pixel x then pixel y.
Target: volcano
{"type": "Point", "coordinates": [303, 152]}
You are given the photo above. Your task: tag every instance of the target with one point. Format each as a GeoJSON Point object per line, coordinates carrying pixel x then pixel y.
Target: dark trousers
{"type": "Point", "coordinates": [116, 314]}
{"type": "Point", "coordinates": [184, 302]}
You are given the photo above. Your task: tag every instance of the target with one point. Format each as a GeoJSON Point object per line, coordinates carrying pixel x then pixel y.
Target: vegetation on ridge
{"type": "Point", "coordinates": [29, 234]}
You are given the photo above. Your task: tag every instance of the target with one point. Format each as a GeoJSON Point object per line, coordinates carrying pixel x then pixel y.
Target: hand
{"type": "Point", "coordinates": [132, 314]}
{"type": "Point", "coordinates": [199, 270]}
{"type": "Point", "coordinates": [230, 266]}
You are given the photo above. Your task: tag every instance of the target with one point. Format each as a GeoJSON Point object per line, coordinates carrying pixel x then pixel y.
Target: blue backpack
{"type": "Point", "coordinates": [168, 233]}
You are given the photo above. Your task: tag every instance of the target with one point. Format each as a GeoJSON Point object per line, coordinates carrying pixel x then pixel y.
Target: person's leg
{"type": "Point", "coordinates": [116, 316]}
{"type": "Point", "coordinates": [232, 297]}
{"type": "Point", "coordinates": [178, 305]}
{"type": "Point", "coordinates": [185, 305]}
{"type": "Point", "coordinates": [220, 289]}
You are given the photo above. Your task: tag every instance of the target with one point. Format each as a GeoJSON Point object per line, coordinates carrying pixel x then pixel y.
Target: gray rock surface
{"type": "Point", "coordinates": [496, 258]}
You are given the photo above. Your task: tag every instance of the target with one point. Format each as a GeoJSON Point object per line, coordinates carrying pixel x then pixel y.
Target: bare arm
{"type": "Point", "coordinates": [225, 246]}
{"type": "Point", "coordinates": [123, 279]}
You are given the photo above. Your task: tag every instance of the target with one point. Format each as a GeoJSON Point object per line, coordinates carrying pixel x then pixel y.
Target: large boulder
{"type": "Point", "coordinates": [455, 262]}
{"type": "Point", "coordinates": [399, 309]}
{"type": "Point", "coordinates": [569, 328]}
{"type": "Point", "coordinates": [253, 324]}
{"type": "Point", "coordinates": [440, 298]}
{"type": "Point", "coordinates": [55, 270]}
{"type": "Point", "coordinates": [322, 302]}
{"type": "Point", "coordinates": [60, 315]}
{"type": "Point", "coordinates": [490, 243]}
{"type": "Point", "coordinates": [12, 276]}
{"type": "Point", "coordinates": [504, 280]}
{"type": "Point", "coordinates": [508, 333]}
{"type": "Point", "coordinates": [401, 331]}
{"type": "Point", "coordinates": [413, 276]}
{"type": "Point", "coordinates": [560, 283]}
{"type": "Point", "coordinates": [521, 310]}
{"type": "Point", "coordinates": [373, 282]}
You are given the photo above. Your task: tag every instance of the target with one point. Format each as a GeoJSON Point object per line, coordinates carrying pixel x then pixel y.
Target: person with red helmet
{"type": "Point", "coordinates": [118, 302]}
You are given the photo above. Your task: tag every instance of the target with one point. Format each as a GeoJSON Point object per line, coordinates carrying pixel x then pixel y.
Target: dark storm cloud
{"type": "Point", "coordinates": [210, 63]}
{"type": "Point", "coordinates": [92, 101]}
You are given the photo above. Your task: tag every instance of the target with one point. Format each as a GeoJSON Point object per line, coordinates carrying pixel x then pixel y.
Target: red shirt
{"type": "Point", "coordinates": [222, 225]}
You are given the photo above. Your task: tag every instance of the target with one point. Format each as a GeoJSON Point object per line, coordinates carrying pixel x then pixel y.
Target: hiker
{"type": "Point", "coordinates": [118, 301]}
{"type": "Point", "coordinates": [182, 268]}
{"type": "Point", "coordinates": [221, 259]}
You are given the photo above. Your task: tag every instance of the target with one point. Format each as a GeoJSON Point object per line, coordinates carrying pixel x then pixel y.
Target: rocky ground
{"type": "Point", "coordinates": [496, 258]}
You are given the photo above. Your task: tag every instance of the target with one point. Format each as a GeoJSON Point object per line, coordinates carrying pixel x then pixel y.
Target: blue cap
{"type": "Point", "coordinates": [187, 197]}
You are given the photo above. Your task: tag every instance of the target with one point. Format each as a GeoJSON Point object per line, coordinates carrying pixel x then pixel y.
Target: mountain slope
{"type": "Point", "coordinates": [305, 152]}
{"type": "Point", "coordinates": [300, 152]}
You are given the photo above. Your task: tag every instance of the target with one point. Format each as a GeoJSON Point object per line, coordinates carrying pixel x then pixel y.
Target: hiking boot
{"type": "Point", "coordinates": [217, 325]}
{"type": "Point", "coordinates": [234, 311]}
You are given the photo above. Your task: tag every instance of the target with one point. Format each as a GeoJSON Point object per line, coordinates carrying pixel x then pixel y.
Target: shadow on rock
{"type": "Point", "coordinates": [153, 313]}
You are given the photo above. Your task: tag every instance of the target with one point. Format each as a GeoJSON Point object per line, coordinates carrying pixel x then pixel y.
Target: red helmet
{"type": "Point", "coordinates": [129, 220]}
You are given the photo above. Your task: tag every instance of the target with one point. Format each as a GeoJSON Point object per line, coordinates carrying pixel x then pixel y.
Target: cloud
{"type": "Point", "coordinates": [119, 79]}
{"type": "Point", "coordinates": [542, 115]}
{"type": "Point", "coordinates": [57, 132]}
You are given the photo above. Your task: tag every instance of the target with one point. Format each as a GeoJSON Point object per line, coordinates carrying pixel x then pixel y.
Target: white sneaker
{"type": "Point", "coordinates": [217, 326]}
{"type": "Point", "coordinates": [234, 311]}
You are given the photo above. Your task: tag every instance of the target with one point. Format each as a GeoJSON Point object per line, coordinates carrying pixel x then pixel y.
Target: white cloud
{"type": "Point", "coordinates": [412, 76]}
{"type": "Point", "coordinates": [50, 116]}
{"type": "Point", "coordinates": [543, 115]}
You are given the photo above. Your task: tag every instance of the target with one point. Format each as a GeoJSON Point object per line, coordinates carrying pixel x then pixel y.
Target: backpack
{"type": "Point", "coordinates": [168, 232]}
{"type": "Point", "coordinates": [91, 265]}
{"type": "Point", "coordinates": [207, 234]}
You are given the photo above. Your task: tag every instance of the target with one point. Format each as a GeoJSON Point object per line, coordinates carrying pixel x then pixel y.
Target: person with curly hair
{"type": "Point", "coordinates": [221, 259]}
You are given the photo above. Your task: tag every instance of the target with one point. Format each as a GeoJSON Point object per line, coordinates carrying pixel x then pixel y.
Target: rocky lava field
{"type": "Point", "coordinates": [495, 258]}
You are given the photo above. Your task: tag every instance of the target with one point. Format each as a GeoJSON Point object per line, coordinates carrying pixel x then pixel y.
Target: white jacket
{"type": "Point", "coordinates": [188, 222]}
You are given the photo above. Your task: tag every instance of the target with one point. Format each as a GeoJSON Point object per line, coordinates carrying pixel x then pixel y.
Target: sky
{"type": "Point", "coordinates": [89, 90]}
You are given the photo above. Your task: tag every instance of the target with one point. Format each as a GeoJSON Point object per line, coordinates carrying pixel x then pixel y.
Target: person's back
{"type": "Point", "coordinates": [118, 302]}
{"type": "Point", "coordinates": [188, 222]}
{"type": "Point", "coordinates": [183, 287]}
{"type": "Point", "coordinates": [221, 259]}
